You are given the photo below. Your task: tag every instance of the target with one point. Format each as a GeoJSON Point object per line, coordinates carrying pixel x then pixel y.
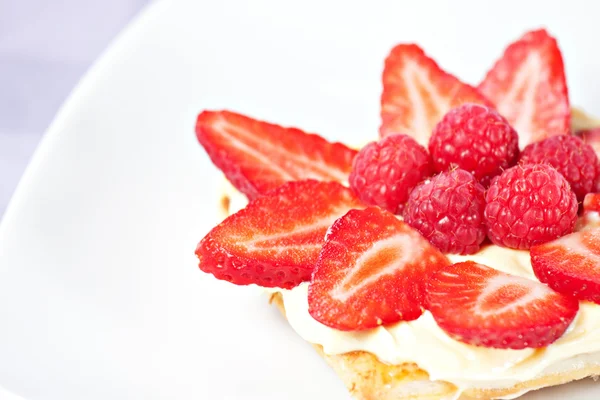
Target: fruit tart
{"type": "Point", "coordinates": [456, 257]}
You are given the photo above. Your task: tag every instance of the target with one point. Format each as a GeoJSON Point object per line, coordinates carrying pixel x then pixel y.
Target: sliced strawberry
{"type": "Point", "coordinates": [417, 93]}
{"type": "Point", "coordinates": [371, 271]}
{"type": "Point", "coordinates": [276, 239]}
{"type": "Point", "coordinates": [570, 264]}
{"type": "Point", "coordinates": [591, 202]}
{"type": "Point", "coordinates": [481, 306]}
{"type": "Point", "coordinates": [529, 89]}
{"type": "Point", "coordinates": [257, 156]}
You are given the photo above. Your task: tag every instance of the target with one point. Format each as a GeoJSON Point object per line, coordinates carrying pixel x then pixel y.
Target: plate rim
{"type": "Point", "coordinates": [128, 33]}
{"type": "Point", "coordinates": [86, 82]}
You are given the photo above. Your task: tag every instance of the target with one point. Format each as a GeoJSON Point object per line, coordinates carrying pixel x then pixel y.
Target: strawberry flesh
{"type": "Point", "coordinates": [417, 93]}
{"type": "Point", "coordinates": [257, 156]}
{"type": "Point", "coordinates": [276, 239]}
{"type": "Point", "coordinates": [481, 306]}
{"type": "Point", "coordinates": [591, 202]}
{"type": "Point", "coordinates": [570, 264]}
{"type": "Point", "coordinates": [371, 271]}
{"type": "Point", "coordinates": [529, 88]}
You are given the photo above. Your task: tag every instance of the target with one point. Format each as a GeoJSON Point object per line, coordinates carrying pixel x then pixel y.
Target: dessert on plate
{"type": "Point", "coordinates": [457, 257]}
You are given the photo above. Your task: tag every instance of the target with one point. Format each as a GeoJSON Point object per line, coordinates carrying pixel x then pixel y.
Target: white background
{"type": "Point", "coordinates": [45, 47]}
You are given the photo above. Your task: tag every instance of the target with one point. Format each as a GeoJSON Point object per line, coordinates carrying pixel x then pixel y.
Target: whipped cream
{"type": "Point", "coordinates": [422, 342]}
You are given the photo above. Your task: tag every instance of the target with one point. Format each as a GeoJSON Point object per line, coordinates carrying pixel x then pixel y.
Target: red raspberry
{"type": "Point", "coordinates": [475, 138]}
{"type": "Point", "coordinates": [528, 205]}
{"type": "Point", "coordinates": [384, 172]}
{"type": "Point", "coordinates": [572, 157]}
{"type": "Point", "coordinates": [448, 211]}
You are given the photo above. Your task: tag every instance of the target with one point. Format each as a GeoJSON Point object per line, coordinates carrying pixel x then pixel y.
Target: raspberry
{"type": "Point", "coordinates": [384, 172]}
{"type": "Point", "coordinates": [448, 211]}
{"type": "Point", "coordinates": [475, 138]}
{"type": "Point", "coordinates": [571, 156]}
{"type": "Point", "coordinates": [528, 205]}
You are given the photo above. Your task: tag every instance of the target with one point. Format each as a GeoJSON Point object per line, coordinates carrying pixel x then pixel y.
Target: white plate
{"type": "Point", "coordinates": [100, 296]}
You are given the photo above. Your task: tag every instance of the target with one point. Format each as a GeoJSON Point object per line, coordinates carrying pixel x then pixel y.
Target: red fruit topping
{"type": "Point", "coordinates": [384, 172]}
{"type": "Point", "coordinates": [481, 306]}
{"type": "Point", "coordinates": [528, 87]}
{"type": "Point", "coordinates": [529, 204]}
{"type": "Point", "coordinates": [573, 158]}
{"type": "Point", "coordinates": [591, 202]}
{"type": "Point", "coordinates": [571, 264]}
{"type": "Point", "coordinates": [448, 211]}
{"type": "Point", "coordinates": [417, 93]}
{"type": "Point", "coordinates": [475, 138]}
{"type": "Point", "coordinates": [591, 137]}
{"type": "Point", "coordinates": [276, 239]}
{"type": "Point", "coordinates": [258, 156]}
{"type": "Point", "coordinates": [371, 271]}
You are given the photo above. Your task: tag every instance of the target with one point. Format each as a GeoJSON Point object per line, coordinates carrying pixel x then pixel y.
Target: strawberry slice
{"type": "Point", "coordinates": [570, 264]}
{"type": "Point", "coordinates": [276, 239]}
{"type": "Point", "coordinates": [591, 202]}
{"type": "Point", "coordinates": [529, 89]}
{"type": "Point", "coordinates": [481, 306]}
{"type": "Point", "coordinates": [371, 271]}
{"type": "Point", "coordinates": [257, 156]}
{"type": "Point", "coordinates": [417, 93]}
